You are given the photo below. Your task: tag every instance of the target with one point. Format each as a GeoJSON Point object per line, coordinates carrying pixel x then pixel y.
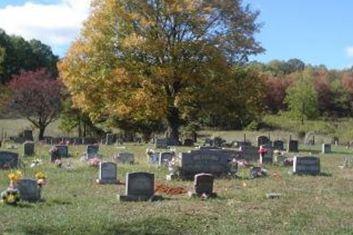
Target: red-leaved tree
{"type": "Point", "coordinates": [36, 96]}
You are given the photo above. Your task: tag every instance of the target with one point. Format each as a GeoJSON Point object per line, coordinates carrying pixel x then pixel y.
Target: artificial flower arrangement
{"type": "Point", "coordinates": [41, 178]}
{"type": "Point", "coordinates": [36, 162]}
{"type": "Point", "coordinates": [11, 195]}
{"type": "Point", "coordinates": [94, 162]}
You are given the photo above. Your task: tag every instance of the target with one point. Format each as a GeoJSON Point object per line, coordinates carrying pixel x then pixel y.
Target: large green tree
{"type": "Point", "coordinates": [154, 59]}
{"type": "Point", "coordinates": [302, 97]}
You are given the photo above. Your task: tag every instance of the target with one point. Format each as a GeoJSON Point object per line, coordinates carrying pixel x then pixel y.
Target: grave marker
{"type": "Point", "coordinates": [306, 165]}
{"type": "Point", "coordinates": [28, 148]}
{"type": "Point", "coordinates": [263, 140]}
{"type": "Point", "coordinates": [214, 162]}
{"type": "Point", "coordinates": [139, 187]}
{"type": "Point", "coordinates": [293, 146]}
{"type": "Point", "coordinates": [29, 190]}
{"type": "Point", "coordinates": [326, 148]}
{"type": "Point", "coordinates": [107, 173]}
{"type": "Point", "coordinates": [8, 160]}
{"type": "Point", "coordinates": [203, 185]}
{"type": "Point", "coordinates": [124, 158]}
{"type": "Point", "coordinates": [278, 145]}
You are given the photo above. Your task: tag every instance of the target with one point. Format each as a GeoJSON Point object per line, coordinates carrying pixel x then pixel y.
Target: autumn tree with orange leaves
{"type": "Point", "coordinates": [155, 59]}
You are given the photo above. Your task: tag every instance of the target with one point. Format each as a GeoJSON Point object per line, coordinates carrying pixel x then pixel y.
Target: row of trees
{"type": "Point", "coordinates": [17, 54]}
{"type": "Point", "coordinates": [308, 92]}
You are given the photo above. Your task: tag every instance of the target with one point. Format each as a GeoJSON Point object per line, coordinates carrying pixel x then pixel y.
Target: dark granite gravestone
{"type": "Point", "coordinates": [124, 158]}
{"type": "Point", "coordinates": [326, 148]}
{"type": "Point", "coordinates": [306, 165]}
{"type": "Point", "coordinates": [28, 148]}
{"type": "Point", "coordinates": [61, 151]}
{"type": "Point", "coordinates": [139, 187]}
{"type": "Point", "coordinates": [29, 190]}
{"type": "Point", "coordinates": [215, 162]}
{"type": "Point", "coordinates": [278, 145]}
{"type": "Point", "coordinates": [28, 135]}
{"type": "Point", "coordinates": [8, 160]}
{"type": "Point", "coordinates": [92, 149]}
{"type": "Point", "coordinates": [262, 140]}
{"type": "Point", "coordinates": [293, 146]}
{"type": "Point", "coordinates": [107, 173]}
{"type": "Point", "coordinates": [203, 185]}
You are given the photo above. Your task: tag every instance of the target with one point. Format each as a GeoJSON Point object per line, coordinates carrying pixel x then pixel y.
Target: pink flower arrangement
{"type": "Point", "coordinates": [94, 162]}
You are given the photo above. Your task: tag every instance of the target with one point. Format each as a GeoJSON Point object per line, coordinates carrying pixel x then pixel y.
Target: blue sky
{"type": "Point", "coordinates": [315, 31]}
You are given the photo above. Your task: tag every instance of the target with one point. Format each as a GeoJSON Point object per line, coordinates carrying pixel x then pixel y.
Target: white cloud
{"type": "Point", "coordinates": [54, 24]}
{"type": "Point", "coordinates": [349, 51]}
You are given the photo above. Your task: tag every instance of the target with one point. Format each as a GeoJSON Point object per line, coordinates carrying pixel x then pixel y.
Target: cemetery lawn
{"type": "Point", "coordinates": [75, 204]}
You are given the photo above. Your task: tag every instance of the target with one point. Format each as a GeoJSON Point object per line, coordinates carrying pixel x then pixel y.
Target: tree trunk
{"type": "Point", "coordinates": [41, 132]}
{"type": "Point", "coordinates": [173, 118]}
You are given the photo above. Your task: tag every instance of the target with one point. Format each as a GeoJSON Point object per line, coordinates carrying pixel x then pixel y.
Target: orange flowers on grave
{"type": "Point", "coordinates": [41, 178]}
{"type": "Point", "coordinates": [15, 176]}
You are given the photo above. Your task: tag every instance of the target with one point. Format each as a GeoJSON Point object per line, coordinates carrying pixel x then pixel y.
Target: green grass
{"type": "Point", "coordinates": [75, 204]}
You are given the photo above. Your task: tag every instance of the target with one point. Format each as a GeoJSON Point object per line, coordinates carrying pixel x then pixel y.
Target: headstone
{"type": "Point", "coordinates": [161, 143]}
{"type": "Point", "coordinates": [268, 158]}
{"type": "Point", "coordinates": [8, 160]}
{"type": "Point", "coordinates": [125, 158]}
{"type": "Point", "coordinates": [28, 148]}
{"type": "Point", "coordinates": [62, 151]}
{"type": "Point", "coordinates": [203, 185]}
{"type": "Point", "coordinates": [153, 158]}
{"type": "Point", "coordinates": [107, 173]}
{"type": "Point", "coordinates": [110, 139]}
{"type": "Point", "coordinates": [92, 149]}
{"type": "Point", "coordinates": [306, 165]}
{"type": "Point", "coordinates": [165, 158]}
{"type": "Point", "coordinates": [293, 146]}
{"type": "Point", "coordinates": [215, 162]}
{"type": "Point", "coordinates": [28, 135]}
{"type": "Point", "coordinates": [29, 190]}
{"type": "Point", "coordinates": [262, 140]}
{"type": "Point", "coordinates": [326, 148]}
{"type": "Point", "coordinates": [139, 187]}
{"type": "Point", "coordinates": [278, 145]}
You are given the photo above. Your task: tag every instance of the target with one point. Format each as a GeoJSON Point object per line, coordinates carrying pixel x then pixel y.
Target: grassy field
{"type": "Point", "coordinates": [75, 204]}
